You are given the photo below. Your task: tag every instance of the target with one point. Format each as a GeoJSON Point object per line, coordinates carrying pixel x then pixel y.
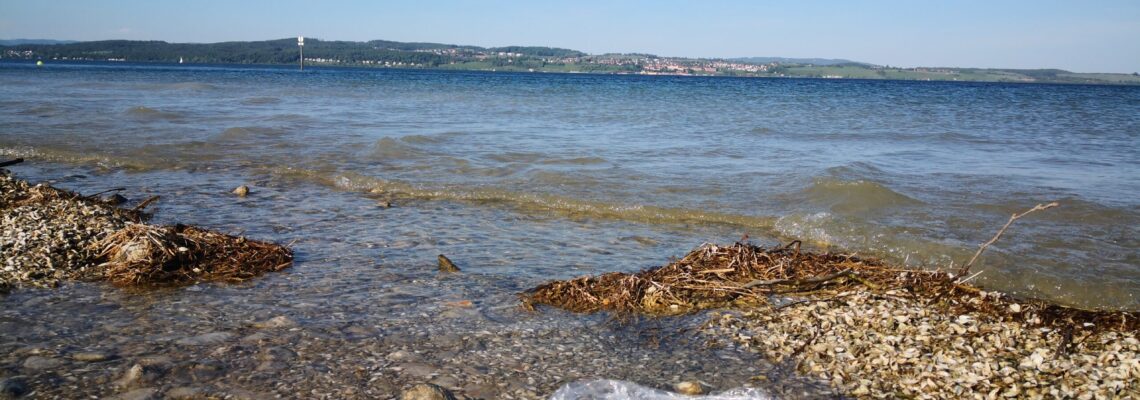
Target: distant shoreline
{"type": "Point", "coordinates": [293, 67]}
{"type": "Point", "coordinates": [400, 55]}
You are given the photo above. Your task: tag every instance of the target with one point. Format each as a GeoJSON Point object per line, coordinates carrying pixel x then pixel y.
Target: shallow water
{"type": "Point", "coordinates": [521, 178]}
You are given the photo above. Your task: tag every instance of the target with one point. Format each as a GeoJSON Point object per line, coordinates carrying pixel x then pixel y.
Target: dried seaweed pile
{"type": "Point", "coordinates": [48, 235]}
{"type": "Point", "coordinates": [176, 255]}
{"type": "Point", "coordinates": [718, 276]}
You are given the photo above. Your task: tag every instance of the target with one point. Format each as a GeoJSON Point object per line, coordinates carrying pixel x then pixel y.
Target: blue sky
{"type": "Point", "coordinates": [1093, 36]}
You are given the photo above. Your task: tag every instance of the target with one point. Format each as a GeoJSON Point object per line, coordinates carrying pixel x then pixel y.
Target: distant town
{"type": "Point", "coordinates": [388, 54]}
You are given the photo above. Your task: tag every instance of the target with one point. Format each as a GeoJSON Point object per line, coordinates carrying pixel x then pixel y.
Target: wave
{"type": "Point", "coordinates": [150, 114]}
{"type": "Point", "coordinates": [392, 149]}
{"type": "Point", "coordinates": [528, 203]}
{"type": "Point", "coordinates": [256, 101]}
{"type": "Point", "coordinates": [194, 86]}
{"type": "Point", "coordinates": [854, 197]}
{"type": "Point", "coordinates": [241, 133]}
{"type": "Point", "coordinates": [46, 110]}
{"type": "Point", "coordinates": [432, 138]}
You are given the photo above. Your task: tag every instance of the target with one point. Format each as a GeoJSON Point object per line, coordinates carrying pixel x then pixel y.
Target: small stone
{"type": "Point", "coordinates": [137, 394]}
{"type": "Point", "coordinates": [205, 339]}
{"type": "Point", "coordinates": [427, 391]}
{"type": "Point", "coordinates": [91, 356]}
{"type": "Point", "coordinates": [38, 363]}
{"type": "Point", "coordinates": [15, 386]}
{"type": "Point", "coordinates": [242, 191]}
{"type": "Point", "coordinates": [185, 393]}
{"type": "Point", "coordinates": [402, 355]}
{"type": "Point", "coordinates": [114, 199]}
{"type": "Point", "coordinates": [139, 374]}
{"type": "Point", "coordinates": [1016, 308]}
{"type": "Point", "coordinates": [279, 321]}
{"type": "Point", "coordinates": [690, 388]}
{"type": "Point", "coordinates": [445, 264]}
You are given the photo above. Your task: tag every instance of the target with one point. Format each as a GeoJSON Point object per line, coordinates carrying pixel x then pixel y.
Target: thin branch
{"type": "Point", "coordinates": [798, 282]}
{"type": "Point", "coordinates": [966, 268]}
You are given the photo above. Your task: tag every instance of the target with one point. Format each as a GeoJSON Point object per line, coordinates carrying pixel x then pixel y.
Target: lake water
{"type": "Point", "coordinates": [521, 178]}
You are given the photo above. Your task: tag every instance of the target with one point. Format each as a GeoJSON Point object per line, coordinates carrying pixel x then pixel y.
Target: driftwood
{"type": "Point", "coordinates": [966, 268]}
{"type": "Point", "coordinates": [11, 162]}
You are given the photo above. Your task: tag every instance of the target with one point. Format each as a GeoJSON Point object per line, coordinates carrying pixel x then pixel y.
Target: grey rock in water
{"type": "Point", "coordinates": [13, 387]}
{"type": "Point", "coordinates": [185, 393]}
{"type": "Point", "coordinates": [242, 191]}
{"type": "Point", "coordinates": [114, 199]}
{"type": "Point", "coordinates": [137, 394]}
{"type": "Point", "coordinates": [39, 363]}
{"type": "Point", "coordinates": [279, 321]}
{"type": "Point", "coordinates": [91, 356]}
{"type": "Point", "coordinates": [140, 374]}
{"type": "Point", "coordinates": [445, 264]}
{"type": "Point", "coordinates": [206, 338]}
{"type": "Point", "coordinates": [427, 391]}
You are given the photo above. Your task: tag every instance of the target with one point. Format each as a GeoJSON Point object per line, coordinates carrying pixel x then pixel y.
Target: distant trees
{"type": "Point", "coordinates": [284, 51]}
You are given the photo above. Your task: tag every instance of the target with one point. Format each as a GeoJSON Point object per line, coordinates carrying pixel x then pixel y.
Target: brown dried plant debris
{"type": "Point", "coordinates": [49, 235]}
{"type": "Point", "coordinates": [714, 276]}
{"type": "Point", "coordinates": [177, 255]}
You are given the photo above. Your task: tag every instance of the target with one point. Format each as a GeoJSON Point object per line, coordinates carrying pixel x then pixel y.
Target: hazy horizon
{"type": "Point", "coordinates": [1095, 37]}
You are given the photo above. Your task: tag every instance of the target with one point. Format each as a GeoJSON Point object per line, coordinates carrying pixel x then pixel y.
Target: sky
{"type": "Point", "coordinates": [1081, 36]}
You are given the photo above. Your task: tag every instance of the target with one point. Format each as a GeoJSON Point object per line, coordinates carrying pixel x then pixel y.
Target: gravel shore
{"type": "Point", "coordinates": [46, 238]}
{"type": "Point", "coordinates": [891, 345]}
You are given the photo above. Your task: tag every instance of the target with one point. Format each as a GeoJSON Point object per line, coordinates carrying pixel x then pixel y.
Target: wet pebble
{"type": "Point", "coordinates": [137, 394]}
{"type": "Point", "coordinates": [279, 321]}
{"type": "Point", "coordinates": [205, 339]}
{"type": "Point", "coordinates": [41, 363]}
{"type": "Point", "coordinates": [427, 391]}
{"type": "Point", "coordinates": [92, 356]}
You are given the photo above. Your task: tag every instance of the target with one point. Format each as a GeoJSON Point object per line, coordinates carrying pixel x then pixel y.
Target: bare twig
{"type": "Point", "coordinates": [143, 205]}
{"type": "Point", "coordinates": [966, 268]}
{"type": "Point", "coordinates": [798, 282]}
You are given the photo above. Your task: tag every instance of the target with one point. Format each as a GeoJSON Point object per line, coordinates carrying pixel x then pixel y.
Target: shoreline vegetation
{"type": "Point", "coordinates": [50, 235]}
{"type": "Point", "coordinates": [388, 54]}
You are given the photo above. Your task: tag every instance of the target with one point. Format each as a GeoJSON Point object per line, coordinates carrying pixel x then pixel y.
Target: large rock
{"type": "Point", "coordinates": [427, 391]}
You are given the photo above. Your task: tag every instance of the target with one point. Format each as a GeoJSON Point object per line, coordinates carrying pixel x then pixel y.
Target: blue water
{"type": "Point", "coordinates": [916, 172]}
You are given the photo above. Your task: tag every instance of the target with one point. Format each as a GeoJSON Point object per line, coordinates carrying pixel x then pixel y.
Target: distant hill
{"type": "Point", "coordinates": [389, 54]}
{"type": "Point", "coordinates": [16, 42]}
{"type": "Point", "coordinates": [280, 51]}
{"type": "Point", "coordinates": [812, 61]}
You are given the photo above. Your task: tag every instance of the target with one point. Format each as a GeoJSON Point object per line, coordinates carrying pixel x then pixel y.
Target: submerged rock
{"type": "Point", "coordinates": [689, 387]}
{"type": "Point", "coordinates": [138, 394]}
{"type": "Point", "coordinates": [205, 339]}
{"type": "Point", "coordinates": [427, 391]}
{"type": "Point", "coordinates": [39, 363]}
{"type": "Point", "coordinates": [91, 356]}
{"type": "Point", "coordinates": [241, 191]}
{"type": "Point", "coordinates": [445, 264]}
{"type": "Point", "coordinates": [114, 199]}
